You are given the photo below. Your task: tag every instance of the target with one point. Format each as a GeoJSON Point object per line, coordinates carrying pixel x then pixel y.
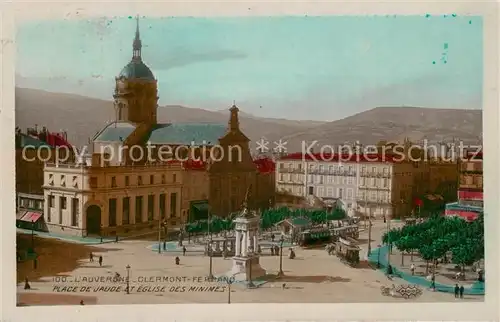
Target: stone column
{"type": "Point", "coordinates": [119, 211]}
{"type": "Point", "coordinates": [245, 243]}
{"type": "Point", "coordinates": [238, 244]}
{"type": "Point", "coordinates": [255, 242]}
{"type": "Point", "coordinates": [131, 210]}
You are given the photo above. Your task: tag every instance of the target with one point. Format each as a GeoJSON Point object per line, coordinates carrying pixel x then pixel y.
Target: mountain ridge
{"type": "Point", "coordinates": [83, 116]}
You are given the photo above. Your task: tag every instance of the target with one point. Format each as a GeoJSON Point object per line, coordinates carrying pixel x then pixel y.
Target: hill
{"type": "Point", "coordinates": [82, 116]}
{"type": "Point", "coordinates": [395, 124]}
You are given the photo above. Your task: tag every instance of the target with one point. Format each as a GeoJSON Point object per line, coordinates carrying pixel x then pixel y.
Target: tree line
{"type": "Point", "coordinates": [440, 236]}
{"type": "Point", "coordinates": [268, 218]}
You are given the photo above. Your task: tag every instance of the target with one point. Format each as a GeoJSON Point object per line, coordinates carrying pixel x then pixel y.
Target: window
{"type": "Point", "coordinates": [74, 212]}
{"type": "Point", "coordinates": [127, 181]}
{"type": "Point", "coordinates": [139, 180]}
{"type": "Point", "coordinates": [300, 166]}
{"type": "Point", "coordinates": [282, 177]}
{"type": "Point", "coordinates": [51, 201]}
{"type": "Point", "coordinates": [113, 182]}
{"type": "Point", "coordinates": [282, 165]}
{"type": "Point", "coordinates": [321, 192]}
{"type": "Point", "coordinates": [340, 193]}
{"type": "Point", "coordinates": [151, 179]}
{"type": "Point", "coordinates": [75, 182]}
{"type": "Point", "coordinates": [363, 170]}
{"type": "Point", "coordinates": [321, 179]}
{"type": "Point", "coordinates": [93, 182]}
{"type": "Point", "coordinates": [373, 182]}
{"type": "Point", "coordinates": [174, 178]}
{"type": "Point", "coordinates": [173, 204]}
{"type": "Point", "coordinates": [329, 192]}
{"type": "Point", "coordinates": [330, 169]}
{"type": "Point", "coordinates": [373, 196]}
{"type": "Point", "coordinates": [63, 181]}
{"type": "Point", "coordinates": [321, 168]}
{"type": "Point", "coordinates": [62, 201]}
{"type": "Point", "coordinates": [385, 183]}
{"type": "Point", "coordinates": [51, 179]}
{"type": "Point", "coordinates": [162, 205]}
{"type": "Point", "coordinates": [138, 209]}
{"type": "Point", "coordinates": [349, 193]}
{"type": "Point", "coordinates": [163, 180]}
{"type": "Point", "coordinates": [112, 212]}
{"type": "Point", "coordinates": [126, 210]}
{"type": "Point", "coordinates": [151, 205]}
{"type": "Point", "coordinates": [374, 170]}
{"type": "Point", "coordinates": [309, 178]}
{"type": "Point", "coordinates": [318, 178]}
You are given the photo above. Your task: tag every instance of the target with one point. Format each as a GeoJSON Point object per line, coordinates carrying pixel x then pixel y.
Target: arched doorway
{"type": "Point", "coordinates": [93, 220]}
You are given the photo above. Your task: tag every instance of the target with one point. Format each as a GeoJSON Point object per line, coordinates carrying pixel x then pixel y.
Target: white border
{"type": "Point", "coordinates": [23, 10]}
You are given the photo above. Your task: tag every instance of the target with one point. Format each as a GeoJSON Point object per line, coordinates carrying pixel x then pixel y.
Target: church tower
{"type": "Point", "coordinates": [233, 172]}
{"type": "Point", "coordinates": [136, 92]}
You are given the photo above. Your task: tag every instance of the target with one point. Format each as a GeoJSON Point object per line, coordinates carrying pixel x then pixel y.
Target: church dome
{"type": "Point", "coordinates": [136, 69]}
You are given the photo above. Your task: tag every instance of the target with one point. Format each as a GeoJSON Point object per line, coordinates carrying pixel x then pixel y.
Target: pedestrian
{"type": "Point", "coordinates": [81, 302]}
{"type": "Point", "coordinates": [462, 289]}
{"type": "Point", "coordinates": [100, 260]}
{"type": "Point", "coordinates": [27, 285]}
{"type": "Point", "coordinates": [433, 281]}
{"type": "Point", "coordinates": [184, 250]}
{"type": "Point", "coordinates": [457, 290]}
{"type": "Point", "coordinates": [385, 220]}
{"type": "Point", "coordinates": [412, 269]}
{"type": "Point", "coordinates": [272, 237]}
{"type": "Point", "coordinates": [91, 257]}
{"type": "Point", "coordinates": [177, 260]}
{"type": "Point", "coordinates": [283, 286]}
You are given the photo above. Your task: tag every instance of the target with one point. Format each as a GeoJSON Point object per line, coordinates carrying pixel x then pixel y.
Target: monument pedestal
{"type": "Point", "coordinates": [246, 268]}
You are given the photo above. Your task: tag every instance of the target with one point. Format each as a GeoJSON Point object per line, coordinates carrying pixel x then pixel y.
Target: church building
{"type": "Point", "coordinates": [130, 186]}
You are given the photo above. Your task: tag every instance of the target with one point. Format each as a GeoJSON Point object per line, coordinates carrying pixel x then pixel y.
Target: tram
{"type": "Point", "coordinates": [347, 251]}
{"type": "Point", "coordinates": [316, 237]}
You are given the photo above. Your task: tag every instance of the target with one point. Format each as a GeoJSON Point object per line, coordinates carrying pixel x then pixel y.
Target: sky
{"type": "Point", "coordinates": [320, 68]}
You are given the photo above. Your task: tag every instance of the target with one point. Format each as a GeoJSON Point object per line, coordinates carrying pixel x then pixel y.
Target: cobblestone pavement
{"type": "Point", "coordinates": [313, 276]}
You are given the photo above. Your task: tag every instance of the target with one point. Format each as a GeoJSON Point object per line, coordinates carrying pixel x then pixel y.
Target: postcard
{"type": "Point", "coordinates": [269, 160]}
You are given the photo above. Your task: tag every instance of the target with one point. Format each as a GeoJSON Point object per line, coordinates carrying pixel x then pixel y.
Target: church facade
{"type": "Point", "coordinates": [144, 174]}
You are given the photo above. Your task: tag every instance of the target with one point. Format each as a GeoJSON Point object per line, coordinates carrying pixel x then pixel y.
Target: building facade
{"type": "Point", "coordinates": [470, 188]}
{"type": "Point", "coordinates": [143, 173]}
{"type": "Point", "coordinates": [33, 148]}
{"type": "Point", "coordinates": [84, 200]}
{"type": "Point", "coordinates": [368, 184]}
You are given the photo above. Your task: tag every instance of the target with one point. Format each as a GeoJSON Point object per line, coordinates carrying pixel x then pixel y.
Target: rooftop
{"type": "Point", "coordinates": [168, 133]}
{"type": "Point", "coordinates": [324, 157]}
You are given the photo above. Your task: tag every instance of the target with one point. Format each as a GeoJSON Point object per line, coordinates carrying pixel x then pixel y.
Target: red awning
{"type": "Point", "coordinates": [470, 195]}
{"type": "Point", "coordinates": [20, 214]}
{"type": "Point", "coordinates": [31, 216]}
{"type": "Point", "coordinates": [467, 215]}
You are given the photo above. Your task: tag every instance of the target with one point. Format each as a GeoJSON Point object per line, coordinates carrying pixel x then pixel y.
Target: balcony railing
{"type": "Point", "coordinates": [372, 174]}
{"type": "Point", "coordinates": [291, 182]}
{"type": "Point", "coordinates": [288, 170]}
{"type": "Point", "coordinates": [344, 173]}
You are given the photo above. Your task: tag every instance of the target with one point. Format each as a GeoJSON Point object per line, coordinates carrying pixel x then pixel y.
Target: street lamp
{"type": "Point", "coordinates": [159, 236]}
{"type": "Point", "coordinates": [280, 273]}
{"type": "Point", "coordinates": [128, 279]}
{"type": "Point", "coordinates": [33, 236]}
{"type": "Point", "coordinates": [229, 282]}
{"type": "Point", "coordinates": [165, 235]}
{"type": "Point", "coordinates": [210, 273]}
{"type": "Point", "coordinates": [378, 256]}
{"type": "Point", "coordinates": [388, 235]}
